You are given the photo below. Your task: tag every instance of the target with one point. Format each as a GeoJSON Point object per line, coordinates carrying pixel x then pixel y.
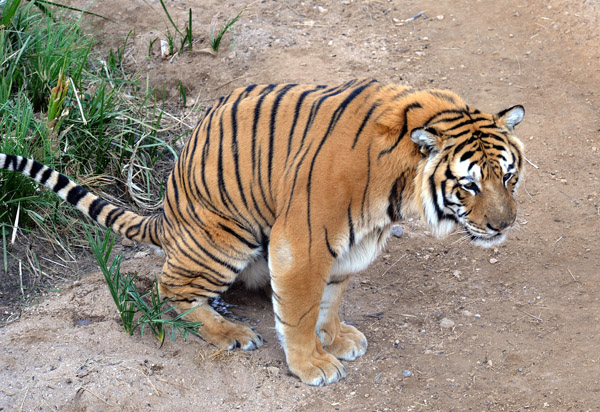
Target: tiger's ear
{"type": "Point", "coordinates": [512, 116]}
{"type": "Point", "coordinates": [427, 138]}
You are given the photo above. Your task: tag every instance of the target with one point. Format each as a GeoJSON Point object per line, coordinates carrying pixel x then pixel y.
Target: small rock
{"type": "Point", "coordinates": [127, 242]}
{"type": "Point", "coordinates": [467, 313]}
{"type": "Point", "coordinates": [397, 231]}
{"type": "Point", "coordinates": [406, 373]}
{"type": "Point", "coordinates": [493, 260]}
{"type": "Point", "coordinates": [273, 371]}
{"type": "Point", "coordinates": [447, 323]}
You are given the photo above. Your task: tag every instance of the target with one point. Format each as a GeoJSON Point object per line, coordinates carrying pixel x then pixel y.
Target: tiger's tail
{"type": "Point", "coordinates": [145, 229]}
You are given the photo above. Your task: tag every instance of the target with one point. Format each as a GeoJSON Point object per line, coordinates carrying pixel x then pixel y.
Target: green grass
{"type": "Point", "coordinates": [78, 113]}
{"type": "Point", "coordinates": [185, 36]}
{"type": "Point", "coordinates": [217, 35]}
{"type": "Point", "coordinates": [137, 310]}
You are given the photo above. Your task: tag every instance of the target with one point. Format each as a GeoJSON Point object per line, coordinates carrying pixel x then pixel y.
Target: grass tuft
{"type": "Point", "coordinates": [137, 310]}
{"type": "Point", "coordinates": [217, 35]}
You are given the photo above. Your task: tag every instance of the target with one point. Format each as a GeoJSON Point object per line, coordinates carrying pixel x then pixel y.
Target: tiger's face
{"type": "Point", "coordinates": [473, 167]}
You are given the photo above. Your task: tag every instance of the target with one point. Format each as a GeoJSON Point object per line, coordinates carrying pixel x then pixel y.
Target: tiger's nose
{"type": "Point", "coordinates": [499, 227]}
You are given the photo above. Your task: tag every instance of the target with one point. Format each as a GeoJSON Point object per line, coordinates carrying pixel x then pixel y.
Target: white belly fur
{"type": "Point", "coordinates": [352, 260]}
{"type": "Point", "coordinates": [361, 255]}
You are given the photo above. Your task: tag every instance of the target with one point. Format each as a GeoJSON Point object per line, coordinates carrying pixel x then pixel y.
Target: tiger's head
{"type": "Point", "coordinates": [473, 164]}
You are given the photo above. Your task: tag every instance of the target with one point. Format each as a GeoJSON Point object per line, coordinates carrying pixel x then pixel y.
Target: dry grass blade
{"type": "Point", "coordinates": [84, 388]}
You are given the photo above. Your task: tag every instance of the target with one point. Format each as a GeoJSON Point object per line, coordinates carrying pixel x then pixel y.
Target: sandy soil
{"type": "Point", "coordinates": [524, 316]}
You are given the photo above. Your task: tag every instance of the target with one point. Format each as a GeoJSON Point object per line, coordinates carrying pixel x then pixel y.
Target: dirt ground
{"type": "Point", "coordinates": [450, 327]}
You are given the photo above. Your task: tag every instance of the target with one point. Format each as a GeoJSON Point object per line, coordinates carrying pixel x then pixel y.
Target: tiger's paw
{"type": "Point", "coordinates": [230, 336]}
{"type": "Point", "coordinates": [349, 343]}
{"type": "Point", "coordinates": [318, 369]}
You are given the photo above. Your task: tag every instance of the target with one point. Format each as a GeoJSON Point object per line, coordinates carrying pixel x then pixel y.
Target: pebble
{"type": "Point", "coordinates": [447, 323]}
{"type": "Point", "coordinates": [127, 242]}
{"type": "Point", "coordinates": [406, 373]}
{"type": "Point", "coordinates": [273, 371]}
{"type": "Point", "coordinates": [493, 260]}
{"type": "Point", "coordinates": [397, 231]}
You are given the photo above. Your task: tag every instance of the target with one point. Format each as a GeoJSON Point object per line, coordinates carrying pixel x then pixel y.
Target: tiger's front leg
{"type": "Point", "coordinates": [341, 340]}
{"type": "Point", "coordinates": [298, 281]}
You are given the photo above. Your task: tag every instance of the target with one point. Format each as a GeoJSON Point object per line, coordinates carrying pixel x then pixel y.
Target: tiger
{"type": "Point", "coordinates": [296, 186]}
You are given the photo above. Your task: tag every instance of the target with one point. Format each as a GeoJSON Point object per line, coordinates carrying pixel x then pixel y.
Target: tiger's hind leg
{"type": "Point", "coordinates": [196, 272]}
{"type": "Point", "coordinates": [341, 340]}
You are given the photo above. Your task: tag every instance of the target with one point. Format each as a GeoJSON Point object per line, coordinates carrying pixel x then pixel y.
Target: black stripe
{"type": "Point", "coordinates": [133, 231]}
{"type": "Point", "coordinates": [205, 152]}
{"type": "Point", "coordinates": [273, 125]}
{"type": "Point", "coordinates": [296, 173]}
{"type": "Point", "coordinates": [446, 97]}
{"type": "Point", "coordinates": [366, 190]}
{"type": "Point", "coordinates": [188, 274]}
{"type": "Point", "coordinates": [238, 236]}
{"type": "Point", "coordinates": [447, 120]}
{"type": "Point", "coordinates": [433, 189]}
{"type": "Point", "coordinates": [256, 120]}
{"type": "Point", "coordinates": [75, 195]}
{"type": "Point", "coordinates": [225, 198]}
{"type": "Point", "coordinates": [430, 121]}
{"type": "Point", "coordinates": [364, 122]}
{"type": "Point", "coordinates": [61, 183]}
{"type": "Point", "coordinates": [299, 105]}
{"type": "Point", "coordinates": [35, 169]}
{"type": "Point", "coordinates": [113, 215]}
{"type": "Point", "coordinates": [329, 248]}
{"type": "Point", "coordinates": [202, 249]}
{"type": "Point", "coordinates": [404, 127]}
{"type": "Point", "coordinates": [258, 211]}
{"type": "Point", "coordinates": [235, 151]}
{"type": "Point", "coordinates": [46, 175]}
{"type": "Point", "coordinates": [466, 155]}
{"type": "Point", "coordinates": [217, 274]}
{"type": "Point", "coordinates": [350, 225]}
{"type": "Point", "coordinates": [96, 207]}
{"type": "Point", "coordinates": [22, 164]}
{"type": "Point", "coordinates": [395, 199]}
{"type": "Point", "coordinates": [263, 192]}
{"type": "Point", "coordinates": [7, 161]}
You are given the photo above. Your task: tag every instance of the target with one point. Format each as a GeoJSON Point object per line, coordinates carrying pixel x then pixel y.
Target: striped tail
{"type": "Point", "coordinates": [145, 229]}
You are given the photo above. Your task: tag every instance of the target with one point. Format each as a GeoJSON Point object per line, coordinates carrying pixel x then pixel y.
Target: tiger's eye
{"type": "Point", "coordinates": [471, 186]}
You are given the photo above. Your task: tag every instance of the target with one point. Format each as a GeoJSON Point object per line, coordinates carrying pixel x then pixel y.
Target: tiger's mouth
{"type": "Point", "coordinates": [487, 240]}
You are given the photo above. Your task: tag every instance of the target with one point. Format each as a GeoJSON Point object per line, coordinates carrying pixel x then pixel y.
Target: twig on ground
{"type": "Point", "coordinates": [92, 393]}
{"type": "Point", "coordinates": [575, 280]}
{"type": "Point", "coordinates": [529, 314]}
{"type": "Point", "coordinates": [393, 264]}
{"type": "Point", "coordinates": [174, 383]}
{"type": "Point", "coordinates": [531, 163]}
{"type": "Point", "coordinates": [416, 16]}
{"type": "Point", "coordinates": [24, 397]}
